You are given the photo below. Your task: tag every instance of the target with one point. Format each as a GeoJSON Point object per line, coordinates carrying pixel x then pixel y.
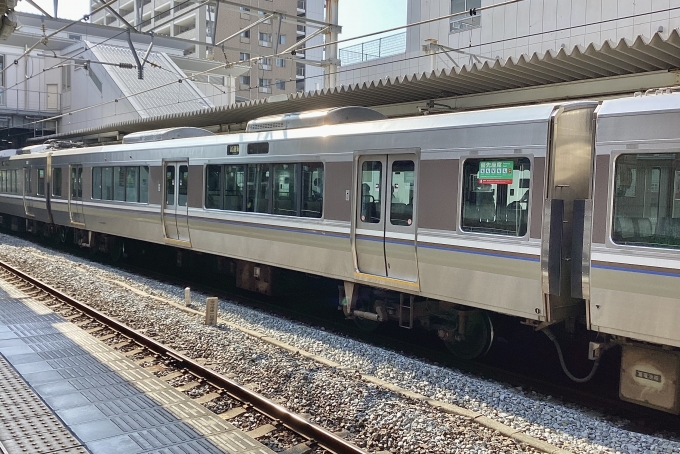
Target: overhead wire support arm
{"type": "Point", "coordinates": [44, 39]}
{"type": "Point", "coordinates": [115, 13]}
{"type": "Point", "coordinates": [140, 65]}
{"type": "Point", "coordinates": [254, 24]}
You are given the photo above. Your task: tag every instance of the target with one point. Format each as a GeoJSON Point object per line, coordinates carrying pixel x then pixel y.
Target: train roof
{"type": "Point", "coordinates": [653, 101]}
{"type": "Point", "coordinates": [469, 119]}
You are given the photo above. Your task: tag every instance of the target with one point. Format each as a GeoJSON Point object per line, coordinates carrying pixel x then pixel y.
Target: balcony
{"type": "Point", "coordinates": [301, 30]}
{"type": "Point", "coordinates": [301, 6]}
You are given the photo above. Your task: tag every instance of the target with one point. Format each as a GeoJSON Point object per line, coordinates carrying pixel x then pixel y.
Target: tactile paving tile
{"type": "Point", "coordinates": [18, 428]}
{"type": "Point", "coordinates": [43, 442]}
{"type": "Point", "coordinates": [110, 402]}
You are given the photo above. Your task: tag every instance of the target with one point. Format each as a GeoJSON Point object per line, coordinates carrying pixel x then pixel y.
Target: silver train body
{"type": "Point", "coordinates": [548, 213]}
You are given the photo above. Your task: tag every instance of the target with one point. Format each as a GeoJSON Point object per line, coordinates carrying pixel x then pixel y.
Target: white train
{"type": "Point", "coordinates": [563, 213]}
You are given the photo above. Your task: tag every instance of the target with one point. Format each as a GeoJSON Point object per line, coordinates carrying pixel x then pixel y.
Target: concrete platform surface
{"type": "Point", "coordinates": [62, 391]}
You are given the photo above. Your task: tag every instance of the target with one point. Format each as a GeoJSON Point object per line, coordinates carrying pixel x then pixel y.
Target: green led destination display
{"type": "Point", "coordinates": [495, 172]}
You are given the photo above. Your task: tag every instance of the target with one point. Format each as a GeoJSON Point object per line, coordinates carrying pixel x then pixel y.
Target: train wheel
{"type": "Point", "coordinates": [476, 339]}
{"type": "Point", "coordinates": [116, 248]}
{"type": "Point", "coordinates": [64, 235]}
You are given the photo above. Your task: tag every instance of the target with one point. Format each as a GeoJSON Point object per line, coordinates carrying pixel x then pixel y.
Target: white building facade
{"type": "Point", "coordinates": [509, 31]}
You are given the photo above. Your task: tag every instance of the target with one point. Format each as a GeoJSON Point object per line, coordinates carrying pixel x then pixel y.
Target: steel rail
{"type": "Point", "coordinates": [294, 422]}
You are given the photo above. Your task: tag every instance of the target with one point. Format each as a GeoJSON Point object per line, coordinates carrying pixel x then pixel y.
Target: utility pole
{"type": "Point", "coordinates": [331, 62]}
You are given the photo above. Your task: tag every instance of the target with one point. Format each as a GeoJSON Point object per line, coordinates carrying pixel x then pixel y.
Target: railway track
{"type": "Point", "coordinates": [600, 395]}
{"type": "Point", "coordinates": [251, 411]}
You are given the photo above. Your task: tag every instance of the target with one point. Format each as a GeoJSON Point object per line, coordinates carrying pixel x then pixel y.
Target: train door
{"type": "Point", "coordinates": [75, 195]}
{"type": "Point", "coordinates": [384, 233]}
{"type": "Point", "coordinates": [28, 201]}
{"type": "Point", "coordinates": [175, 207]}
{"type": "Point", "coordinates": [567, 219]}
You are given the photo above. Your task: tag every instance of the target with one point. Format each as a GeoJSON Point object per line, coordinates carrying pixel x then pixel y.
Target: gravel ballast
{"type": "Point", "coordinates": [370, 416]}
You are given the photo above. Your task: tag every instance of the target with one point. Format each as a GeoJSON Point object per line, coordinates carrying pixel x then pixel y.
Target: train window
{"type": "Point", "coordinates": [312, 190]}
{"type": "Point", "coordinates": [258, 148]}
{"type": "Point", "coordinates": [182, 192]}
{"type": "Point", "coordinates": [496, 196]}
{"type": "Point", "coordinates": [257, 191]}
{"type": "Point", "coordinates": [285, 193]}
{"type": "Point", "coordinates": [132, 184]}
{"type": "Point", "coordinates": [170, 185]}
{"type": "Point", "coordinates": [234, 180]}
{"type": "Point", "coordinates": [41, 182]}
{"type": "Point", "coordinates": [119, 184]}
{"type": "Point", "coordinates": [15, 181]}
{"type": "Point", "coordinates": [107, 183]}
{"type": "Point", "coordinates": [97, 183]}
{"type": "Point", "coordinates": [371, 176]}
{"type": "Point", "coordinates": [213, 193]}
{"type": "Point", "coordinates": [3, 176]}
{"type": "Point", "coordinates": [76, 182]}
{"type": "Point", "coordinates": [27, 181]}
{"type": "Point", "coordinates": [144, 184]}
{"type": "Point", "coordinates": [403, 191]}
{"type": "Point", "coordinates": [56, 181]}
{"type": "Point", "coordinates": [647, 200]}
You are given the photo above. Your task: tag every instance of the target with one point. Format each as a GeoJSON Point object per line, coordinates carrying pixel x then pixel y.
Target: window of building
{"type": "Point", "coordinates": [245, 34]}
{"type": "Point", "coordinates": [300, 69]}
{"type": "Point", "coordinates": [496, 196]}
{"type": "Point", "coordinates": [244, 56]}
{"type": "Point", "coordinates": [56, 181]}
{"type": "Point", "coordinates": [282, 39]}
{"type": "Point", "coordinates": [66, 77]}
{"type": "Point", "coordinates": [265, 39]}
{"type": "Point", "coordinates": [266, 63]}
{"type": "Point", "coordinates": [281, 62]}
{"type": "Point", "coordinates": [281, 84]}
{"type": "Point", "coordinates": [264, 85]}
{"type": "Point", "coordinates": [244, 80]}
{"type": "Point", "coordinates": [647, 200]}
{"type": "Point", "coordinates": [464, 22]}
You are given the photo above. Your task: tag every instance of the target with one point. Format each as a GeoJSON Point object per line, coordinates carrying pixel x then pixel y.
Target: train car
{"type": "Point", "coordinates": [434, 221]}
{"type": "Point", "coordinates": [633, 275]}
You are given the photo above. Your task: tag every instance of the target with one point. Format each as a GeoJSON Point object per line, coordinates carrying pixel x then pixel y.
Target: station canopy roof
{"type": "Point", "coordinates": [554, 68]}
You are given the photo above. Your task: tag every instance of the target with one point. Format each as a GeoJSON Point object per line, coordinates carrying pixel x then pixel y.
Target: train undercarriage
{"type": "Point", "coordinates": [650, 374]}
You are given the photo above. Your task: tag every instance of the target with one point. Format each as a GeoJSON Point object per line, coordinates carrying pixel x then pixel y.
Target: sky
{"type": "Point", "coordinates": [357, 17]}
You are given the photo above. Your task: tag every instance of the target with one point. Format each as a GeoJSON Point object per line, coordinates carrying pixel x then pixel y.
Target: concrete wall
{"type": "Point", "coordinates": [521, 28]}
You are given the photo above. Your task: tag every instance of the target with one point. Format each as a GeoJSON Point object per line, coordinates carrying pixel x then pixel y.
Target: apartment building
{"type": "Point", "coordinates": [509, 31]}
{"type": "Point", "coordinates": [202, 25]}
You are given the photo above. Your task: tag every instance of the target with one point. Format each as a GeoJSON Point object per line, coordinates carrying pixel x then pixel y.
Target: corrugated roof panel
{"type": "Point", "coordinates": [159, 71]}
{"type": "Point", "coordinates": [593, 62]}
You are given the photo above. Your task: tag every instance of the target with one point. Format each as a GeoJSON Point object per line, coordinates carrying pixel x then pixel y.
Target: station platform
{"type": "Point", "coordinates": [62, 391]}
